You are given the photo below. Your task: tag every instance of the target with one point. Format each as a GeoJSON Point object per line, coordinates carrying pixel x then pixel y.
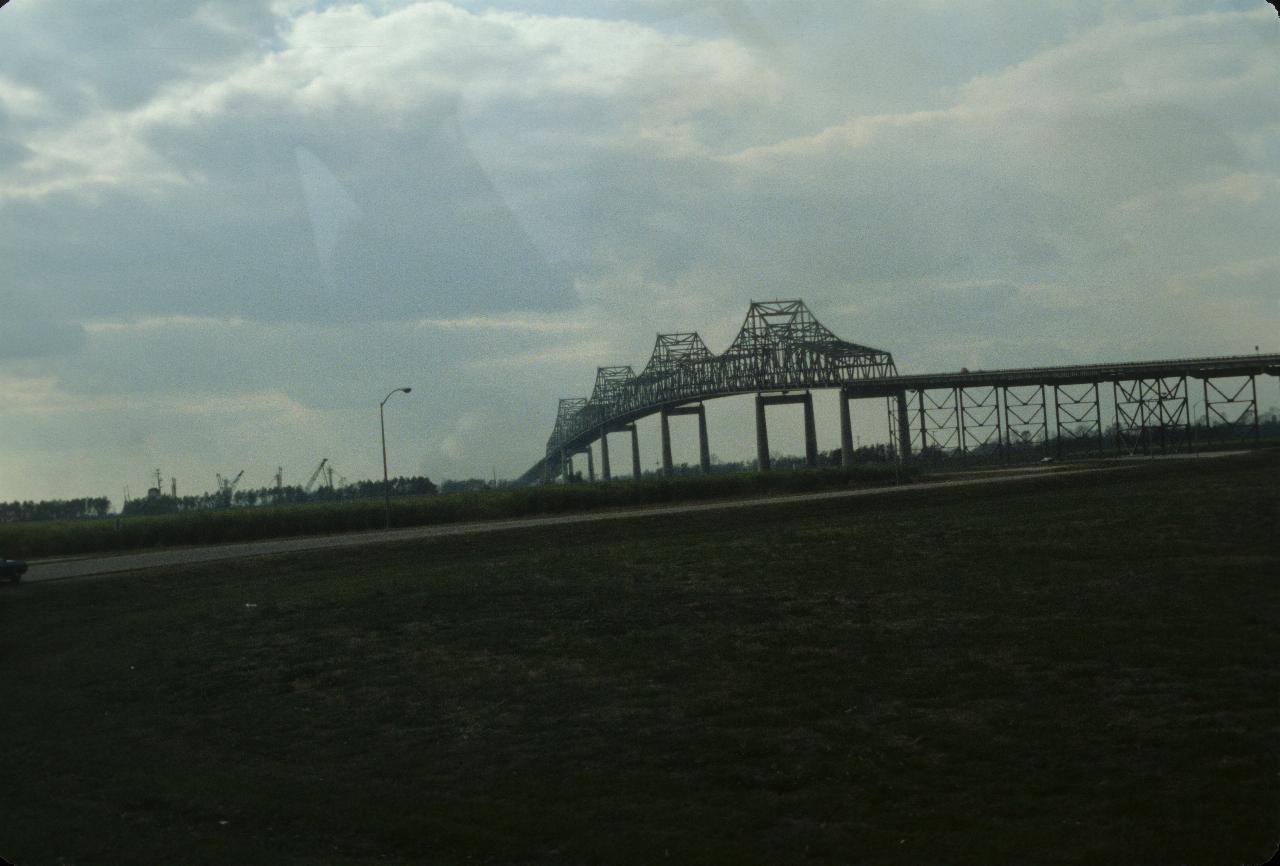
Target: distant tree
{"type": "Point", "coordinates": [151, 505]}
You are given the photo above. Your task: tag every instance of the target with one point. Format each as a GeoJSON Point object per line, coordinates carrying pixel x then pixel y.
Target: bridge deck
{"type": "Point", "coordinates": [1075, 374]}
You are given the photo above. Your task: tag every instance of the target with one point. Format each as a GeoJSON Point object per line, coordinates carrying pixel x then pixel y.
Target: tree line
{"type": "Point", "coordinates": [160, 503]}
{"type": "Point", "coordinates": [55, 509]}
{"type": "Point", "coordinates": [289, 494]}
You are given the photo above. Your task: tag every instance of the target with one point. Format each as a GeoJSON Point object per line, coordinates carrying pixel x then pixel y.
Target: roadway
{"type": "Point", "coordinates": [97, 566]}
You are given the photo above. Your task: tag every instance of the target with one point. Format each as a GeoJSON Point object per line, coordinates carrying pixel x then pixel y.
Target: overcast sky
{"type": "Point", "coordinates": [228, 228]}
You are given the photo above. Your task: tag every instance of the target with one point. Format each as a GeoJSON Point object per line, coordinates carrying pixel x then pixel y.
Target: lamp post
{"type": "Point", "coordinates": [386, 484]}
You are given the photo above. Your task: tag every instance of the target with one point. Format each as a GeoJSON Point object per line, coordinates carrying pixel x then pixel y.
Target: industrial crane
{"type": "Point", "coordinates": [314, 475]}
{"type": "Point", "coordinates": [227, 487]}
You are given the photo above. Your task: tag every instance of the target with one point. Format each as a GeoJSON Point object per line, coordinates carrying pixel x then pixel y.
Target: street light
{"type": "Point", "coordinates": [386, 485]}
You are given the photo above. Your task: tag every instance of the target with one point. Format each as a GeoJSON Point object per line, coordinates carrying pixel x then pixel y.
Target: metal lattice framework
{"type": "Point", "coordinates": [781, 346]}
{"type": "Point", "coordinates": [569, 409]}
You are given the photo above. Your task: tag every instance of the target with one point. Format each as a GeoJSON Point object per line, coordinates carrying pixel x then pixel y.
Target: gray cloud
{"type": "Point", "coordinates": [308, 201]}
{"type": "Point", "coordinates": [23, 338]}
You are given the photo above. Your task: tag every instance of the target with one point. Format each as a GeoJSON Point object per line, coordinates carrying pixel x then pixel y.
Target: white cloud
{"type": "Point", "coordinates": [535, 324]}
{"type": "Point", "coordinates": [159, 323]}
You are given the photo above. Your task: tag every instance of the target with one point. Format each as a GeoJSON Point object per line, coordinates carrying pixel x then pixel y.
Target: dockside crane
{"type": "Point", "coordinates": [311, 482]}
{"type": "Point", "coordinates": [228, 486]}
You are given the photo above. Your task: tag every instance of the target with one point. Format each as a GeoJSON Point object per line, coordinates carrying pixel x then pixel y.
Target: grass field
{"type": "Point", "coordinates": [1079, 669]}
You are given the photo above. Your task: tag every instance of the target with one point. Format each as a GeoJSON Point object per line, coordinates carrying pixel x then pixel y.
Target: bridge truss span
{"type": "Point", "coordinates": [781, 346]}
{"type": "Point", "coordinates": [782, 352]}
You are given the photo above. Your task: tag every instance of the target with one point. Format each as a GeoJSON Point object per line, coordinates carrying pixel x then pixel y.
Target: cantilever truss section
{"type": "Point", "coordinates": [780, 346]}
{"type": "Point", "coordinates": [568, 410]}
{"type": "Point", "coordinates": [610, 385]}
{"type": "Point", "coordinates": [672, 350]}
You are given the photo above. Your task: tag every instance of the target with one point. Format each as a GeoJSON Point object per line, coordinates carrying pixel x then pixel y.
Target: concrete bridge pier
{"type": "Point", "coordinates": [904, 426]}
{"type": "Point", "coordinates": [604, 450]}
{"type": "Point", "coordinates": [591, 464]}
{"type": "Point", "coordinates": [762, 427]}
{"type": "Point", "coordinates": [846, 430]}
{"type": "Point", "coordinates": [666, 442]}
{"type": "Point", "coordinates": [762, 436]}
{"type": "Point", "coordinates": [704, 449]}
{"type": "Point", "coordinates": [704, 446]}
{"type": "Point", "coordinates": [810, 433]}
{"type": "Point", "coordinates": [635, 452]}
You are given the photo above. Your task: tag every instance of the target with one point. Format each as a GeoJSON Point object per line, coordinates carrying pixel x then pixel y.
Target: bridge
{"type": "Point", "coordinates": [783, 353]}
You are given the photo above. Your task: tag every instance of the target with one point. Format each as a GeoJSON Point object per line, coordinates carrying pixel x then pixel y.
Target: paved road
{"type": "Point", "coordinates": [63, 569]}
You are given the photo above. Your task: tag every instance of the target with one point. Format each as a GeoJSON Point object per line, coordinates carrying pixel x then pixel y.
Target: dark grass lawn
{"type": "Point", "coordinates": [1073, 670]}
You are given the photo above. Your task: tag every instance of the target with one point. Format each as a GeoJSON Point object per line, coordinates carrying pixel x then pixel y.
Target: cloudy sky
{"type": "Point", "coordinates": [228, 228]}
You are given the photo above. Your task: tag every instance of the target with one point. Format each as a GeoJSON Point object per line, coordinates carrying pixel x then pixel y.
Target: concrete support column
{"type": "Point", "coordinates": [591, 466]}
{"type": "Point", "coordinates": [810, 433]}
{"type": "Point", "coordinates": [704, 450]}
{"type": "Point", "coordinates": [704, 447]}
{"type": "Point", "coordinates": [604, 456]}
{"type": "Point", "coordinates": [666, 442]}
{"type": "Point", "coordinates": [635, 453]}
{"type": "Point", "coordinates": [762, 435]}
{"type": "Point", "coordinates": [904, 427]}
{"type": "Point", "coordinates": [846, 430]}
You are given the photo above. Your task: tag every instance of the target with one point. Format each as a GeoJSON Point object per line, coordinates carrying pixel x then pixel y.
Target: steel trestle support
{"type": "Point", "coordinates": [1081, 408]}
{"type": "Point", "coordinates": [1147, 407]}
{"type": "Point", "coordinates": [979, 419]}
{"type": "Point", "coordinates": [1026, 421]}
{"type": "Point", "coordinates": [1230, 410]}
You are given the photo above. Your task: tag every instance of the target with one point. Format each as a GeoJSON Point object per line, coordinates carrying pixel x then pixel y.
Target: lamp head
{"type": "Point", "coordinates": [406, 390]}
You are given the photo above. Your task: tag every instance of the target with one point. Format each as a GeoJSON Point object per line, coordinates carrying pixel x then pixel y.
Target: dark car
{"type": "Point", "coordinates": [12, 569]}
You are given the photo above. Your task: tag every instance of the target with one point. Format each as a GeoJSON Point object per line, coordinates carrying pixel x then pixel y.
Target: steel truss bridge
{"type": "Point", "coordinates": [783, 353]}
